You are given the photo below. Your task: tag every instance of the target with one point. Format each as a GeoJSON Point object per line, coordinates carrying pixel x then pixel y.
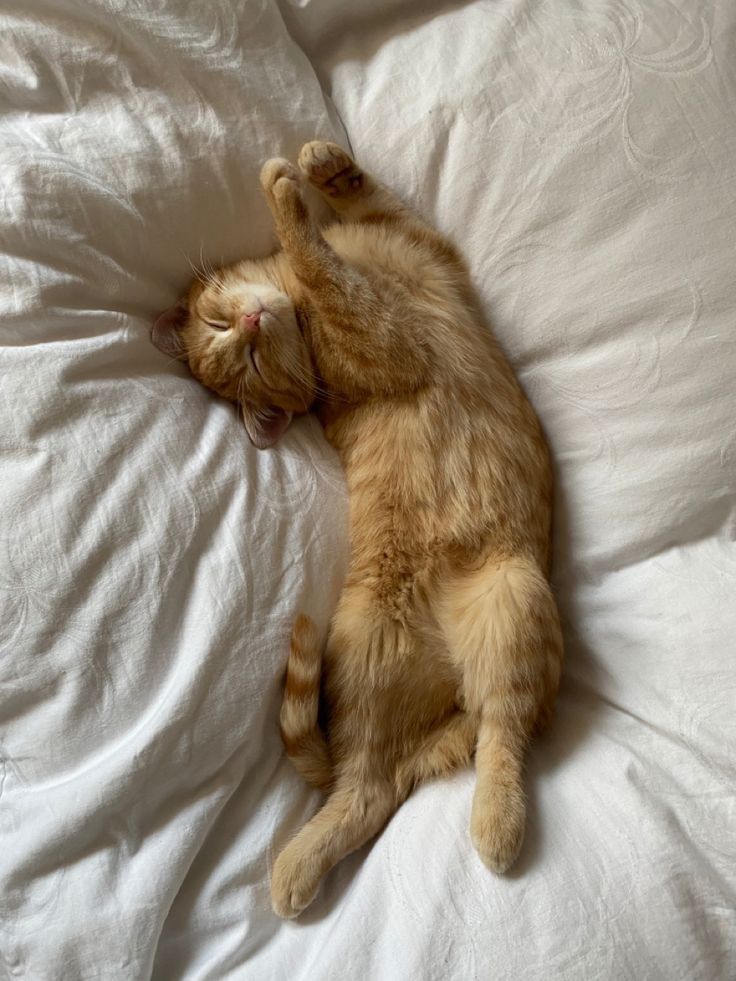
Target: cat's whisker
{"type": "Point", "coordinates": [241, 389]}
{"type": "Point", "coordinates": [198, 348]}
{"type": "Point", "coordinates": [304, 375]}
{"type": "Point", "coordinates": [208, 272]}
{"type": "Point", "coordinates": [202, 262]}
{"type": "Point", "coordinates": [181, 359]}
{"type": "Point", "coordinates": [198, 273]}
{"type": "Point", "coordinates": [216, 280]}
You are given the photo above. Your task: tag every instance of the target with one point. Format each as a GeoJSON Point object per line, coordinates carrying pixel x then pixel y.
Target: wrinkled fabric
{"type": "Point", "coordinates": [583, 156]}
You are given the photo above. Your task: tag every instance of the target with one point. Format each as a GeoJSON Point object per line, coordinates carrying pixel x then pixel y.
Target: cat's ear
{"type": "Point", "coordinates": [166, 331]}
{"type": "Point", "coordinates": [265, 426]}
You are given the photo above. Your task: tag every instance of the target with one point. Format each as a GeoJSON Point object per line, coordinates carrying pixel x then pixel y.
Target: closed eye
{"type": "Point", "coordinates": [218, 324]}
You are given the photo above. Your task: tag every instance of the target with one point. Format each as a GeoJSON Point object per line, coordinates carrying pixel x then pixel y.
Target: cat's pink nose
{"type": "Point", "coordinates": [251, 321]}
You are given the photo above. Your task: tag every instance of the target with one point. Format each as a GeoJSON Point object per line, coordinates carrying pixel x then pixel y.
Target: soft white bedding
{"type": "Point", "coordinates": [584, 156]}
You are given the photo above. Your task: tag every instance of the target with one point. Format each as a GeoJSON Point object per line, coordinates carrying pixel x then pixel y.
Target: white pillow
{"type": "Point", "coordinates": [151, 561]}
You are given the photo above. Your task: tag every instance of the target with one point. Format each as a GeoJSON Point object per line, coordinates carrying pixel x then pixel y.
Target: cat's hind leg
{"type": "Point", "coordinates": [351, 816]}
{"type": "Point", "coordinates": [502, 629]}
{"type": "Point", "coordinates": [447, 748]}
{"type": "Point", "coordinates": [344, 184]}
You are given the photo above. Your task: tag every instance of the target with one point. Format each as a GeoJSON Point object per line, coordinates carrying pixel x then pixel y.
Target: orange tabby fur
{"type": "Point", "coordinates": [446, 640]}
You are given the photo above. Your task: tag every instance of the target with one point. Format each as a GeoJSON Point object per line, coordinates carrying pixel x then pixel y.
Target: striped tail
{"type": "Point", "coordinates": [303, 739]}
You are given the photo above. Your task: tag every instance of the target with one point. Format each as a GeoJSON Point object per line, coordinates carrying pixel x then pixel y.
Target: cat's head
{"type": "Point", "coordinates": [240, 335]}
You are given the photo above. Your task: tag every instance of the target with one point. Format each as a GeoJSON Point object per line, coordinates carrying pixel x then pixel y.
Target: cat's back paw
{"type": "Point", "coordinates": [292, 887]}
{"type": "Point", "coordinates": [497, 826]}
{"type": "Point", "coordinates": [330, 168]}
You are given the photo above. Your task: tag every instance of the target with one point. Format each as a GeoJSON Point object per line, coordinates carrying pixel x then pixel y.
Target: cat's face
{"type": "Point", "coordinates": [241, 338]}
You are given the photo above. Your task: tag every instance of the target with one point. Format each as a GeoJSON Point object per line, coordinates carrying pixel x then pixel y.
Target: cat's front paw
{"type": "Point", "coordinates": [330, 168]}
{"type": "Point", "coordinates": [292, 890]}
{"type": "Point", "coordinates": [280, 179]}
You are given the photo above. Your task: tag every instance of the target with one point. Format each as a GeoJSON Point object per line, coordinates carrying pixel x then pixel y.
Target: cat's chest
{"type": "Point", "coordinates": [332, 417]}
{"type": "Point", "coordinates": [391, 471]}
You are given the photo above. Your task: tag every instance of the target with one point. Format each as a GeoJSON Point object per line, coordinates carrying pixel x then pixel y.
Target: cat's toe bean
{"type": "Point", "coordinates": [323, 162]}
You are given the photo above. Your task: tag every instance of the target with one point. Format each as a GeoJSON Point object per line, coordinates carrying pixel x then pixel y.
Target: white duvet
{"type": "Point", "coordinates": [583, 155]}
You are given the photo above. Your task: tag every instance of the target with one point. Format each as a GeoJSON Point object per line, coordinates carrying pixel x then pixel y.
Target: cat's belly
{"type": "Point", "coordinates": [398, 574]}
{"type": "Point", "coordinates": [430, 482]}
{"type": "Point", "coordinates": [388, 677]}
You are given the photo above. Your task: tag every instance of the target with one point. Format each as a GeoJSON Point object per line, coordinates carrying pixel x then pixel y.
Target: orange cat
{"type": "Point", "coordinates": [446, 640]}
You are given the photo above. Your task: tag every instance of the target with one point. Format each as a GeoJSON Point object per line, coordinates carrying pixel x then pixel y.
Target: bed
{"type": "Point", "coordinates": [583, 155]}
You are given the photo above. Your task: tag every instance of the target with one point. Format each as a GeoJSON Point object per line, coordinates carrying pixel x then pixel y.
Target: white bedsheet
{"type": "Point", "coordinates": [151, 562]}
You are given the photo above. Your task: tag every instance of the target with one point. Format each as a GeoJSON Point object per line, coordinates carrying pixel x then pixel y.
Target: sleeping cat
{"type": "Point", "coordinates": [446, 641]}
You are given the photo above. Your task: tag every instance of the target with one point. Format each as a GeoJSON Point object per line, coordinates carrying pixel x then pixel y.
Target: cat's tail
{"type": "Point", "coordinates": [303, 739]}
